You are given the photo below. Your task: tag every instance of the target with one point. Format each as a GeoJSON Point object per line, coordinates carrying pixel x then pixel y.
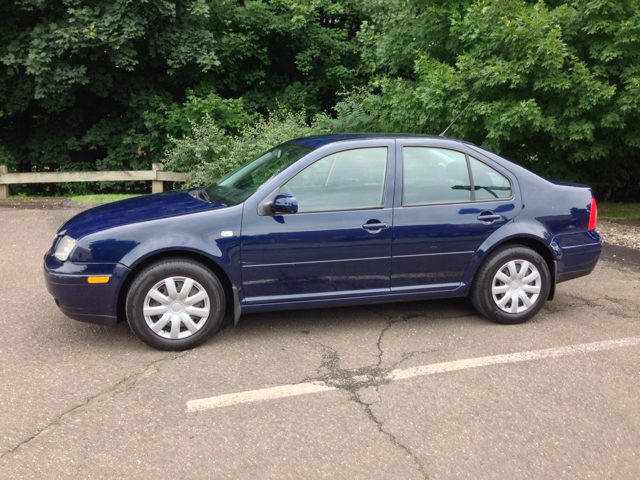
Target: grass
{"type": "Point", "coordinates": [101, 198]}
{"type": "Point", "coordinates": [618, 211]}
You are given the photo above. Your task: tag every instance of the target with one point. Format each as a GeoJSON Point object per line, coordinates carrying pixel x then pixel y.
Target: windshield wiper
{"type": "Point", "coordinates": [200, 193]}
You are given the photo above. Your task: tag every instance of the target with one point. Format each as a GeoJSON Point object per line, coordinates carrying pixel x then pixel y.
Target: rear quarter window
{"type": "Point", "coordinates": [488, 183]}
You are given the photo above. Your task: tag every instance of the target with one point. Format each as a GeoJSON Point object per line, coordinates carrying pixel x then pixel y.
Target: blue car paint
{"type": "Point", "coordinates": [93, 303]}
{"type": "Point", "coordinates": [134, 210]}
{"type": "Point", "coordinates": [322, 254]}
{"type": "Point", "coordinates": [433, 244]}
{"type": "Point", "coordinates": [309, 259]}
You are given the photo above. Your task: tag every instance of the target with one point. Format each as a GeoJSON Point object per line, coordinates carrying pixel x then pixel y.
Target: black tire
{"type": "Point", "coordinates": [176, 271]}
{"type": "Point", "coordinates": [482, 295]}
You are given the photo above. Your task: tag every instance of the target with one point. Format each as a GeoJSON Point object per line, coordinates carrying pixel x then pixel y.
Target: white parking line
{"type": "Point", "coordinates": [512, 358]}
{"type": "Point", "coordinates": [305, 388]}
{"type": "Point", "coordinates": [257, 395]}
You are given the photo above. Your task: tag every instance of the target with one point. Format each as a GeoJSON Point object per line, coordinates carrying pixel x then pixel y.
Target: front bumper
{"type": "Point", "coordinates": [80, 300]}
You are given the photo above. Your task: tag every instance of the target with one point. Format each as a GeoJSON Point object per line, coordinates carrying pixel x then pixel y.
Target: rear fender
{"type": "Point", "coordinates": [509, 232]}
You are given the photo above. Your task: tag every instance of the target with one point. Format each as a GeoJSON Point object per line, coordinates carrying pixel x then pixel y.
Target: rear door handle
{"type": "Point", "coordinates": [375, 226]}
{"type": "Point", "coordinates": [488, 217]}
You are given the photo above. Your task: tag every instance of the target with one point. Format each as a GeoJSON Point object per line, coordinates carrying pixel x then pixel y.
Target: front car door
{"type": "Point", "coordinates": [447, 203]}
{"type": "Point", "coordinates": [338, 244]}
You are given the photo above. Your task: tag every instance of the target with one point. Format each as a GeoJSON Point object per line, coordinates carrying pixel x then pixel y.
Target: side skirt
{"type": "Point", "coordinates": [461, 291]}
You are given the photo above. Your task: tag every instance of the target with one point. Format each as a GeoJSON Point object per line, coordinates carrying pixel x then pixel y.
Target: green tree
{"type": "Point", "coordinates": [557, 84]}
{"type": "Point", "coordinates": [98, 84]}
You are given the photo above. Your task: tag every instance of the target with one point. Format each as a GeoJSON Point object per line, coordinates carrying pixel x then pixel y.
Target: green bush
{"type": "Point", "coordinates": [557, 84]}
{"type": "Point", "coordinates": [209, 152]}
{"type": "Point", "coordinates": [98, 85]}
{"type": "Point", "coordinates": [114, 85]}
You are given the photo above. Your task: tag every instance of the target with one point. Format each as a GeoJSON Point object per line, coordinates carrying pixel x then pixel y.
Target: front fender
{"type": "Point", "coordinates": [200, 233]}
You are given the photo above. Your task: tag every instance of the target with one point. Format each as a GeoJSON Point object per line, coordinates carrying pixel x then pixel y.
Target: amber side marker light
{"type": "Point", "coordinates": [98, 279]}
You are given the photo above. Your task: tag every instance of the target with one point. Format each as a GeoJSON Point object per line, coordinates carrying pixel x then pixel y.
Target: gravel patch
{"type": "Point", "coordinates": [616, 233]}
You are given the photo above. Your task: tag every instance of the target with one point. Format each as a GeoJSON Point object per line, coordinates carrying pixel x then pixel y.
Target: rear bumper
{"type": "Point", "coordinates": [563, 277]}
{"type": "Point", "coordinates": [578, 260]}
{"type": "Point", "coordinates": [79, 300]}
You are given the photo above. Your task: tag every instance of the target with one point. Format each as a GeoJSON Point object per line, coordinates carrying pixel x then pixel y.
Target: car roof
{"type": "Point", "coordinates": [317, 141]}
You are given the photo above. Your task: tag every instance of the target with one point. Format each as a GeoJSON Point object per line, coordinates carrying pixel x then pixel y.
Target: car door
{"type": "Point", "coordinates": [338, 244]}
{"type": "Point", "coordinates": [447, 203]}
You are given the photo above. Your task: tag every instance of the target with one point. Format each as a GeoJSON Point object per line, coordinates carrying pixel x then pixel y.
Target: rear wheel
{"type": "Point", "coordinates": [175, 304]}
{"type": "Point", "coordinates": [512, 285]}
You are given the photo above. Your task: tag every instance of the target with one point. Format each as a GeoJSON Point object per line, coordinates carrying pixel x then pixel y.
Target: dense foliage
{"type": "Point", "coordinates": [210, 153]}
{"type": "Point", "coordinates": [99, 84]}
{"type": "Point", "coordinates": [556, 84]}
{"type": "Point", "coordinates": [117, 84]}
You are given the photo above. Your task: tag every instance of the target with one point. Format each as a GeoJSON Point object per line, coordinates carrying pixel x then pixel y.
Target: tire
{"type": "Point", "coordinates": [164, 316]}
{"type": "Point", "coordinates": [500, 287]}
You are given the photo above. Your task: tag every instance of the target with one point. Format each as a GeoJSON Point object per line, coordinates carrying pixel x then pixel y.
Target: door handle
{"type": "Point", "coordinates": [375, 226]}
{"type": "Point", "coordinates": [488, 216]}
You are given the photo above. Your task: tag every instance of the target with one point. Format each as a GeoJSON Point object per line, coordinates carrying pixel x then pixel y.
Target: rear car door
{"type": "Point", "coordinates": [338, 244]}
{"type": "Point", "coordinates": [447, 203]}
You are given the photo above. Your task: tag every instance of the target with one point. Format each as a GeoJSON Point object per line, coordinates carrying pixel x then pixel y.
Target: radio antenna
{"type": "Point", "coordinates": [454, 120]}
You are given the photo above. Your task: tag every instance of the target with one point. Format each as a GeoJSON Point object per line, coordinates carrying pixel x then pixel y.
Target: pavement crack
{"type": "Point", "coordinates": [408, 355]}
{"type": "Point", "coordinates": [350, 380]}
{"type": "Point", "coordinates": [392, 438]}
{"type": "Point", "coordinates": [390, 323]}
{"type": "Point", "coordinates": [122, 386]}
{"type": "Point", "coordinates": [616, 311]}
{"type": "Point", "coordinates": [360, 380]}
{"type": "Point", "coordinates": [586, 301]}
{"type": "Point", "coordinates": [366, 307]}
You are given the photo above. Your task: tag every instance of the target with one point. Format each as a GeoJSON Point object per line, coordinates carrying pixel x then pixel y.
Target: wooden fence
{"type": "Point", "coordinates": [156, 175]}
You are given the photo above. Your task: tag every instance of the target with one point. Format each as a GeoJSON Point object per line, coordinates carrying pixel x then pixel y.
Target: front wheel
{"type": "Point", "coordinates": [175, 304]}
{"type": "Point", "coordinates": [512, 285]}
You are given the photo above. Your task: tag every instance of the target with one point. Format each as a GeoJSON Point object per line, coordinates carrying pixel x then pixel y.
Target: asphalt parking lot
{"type": "Point", "coordinates": [413, 390]}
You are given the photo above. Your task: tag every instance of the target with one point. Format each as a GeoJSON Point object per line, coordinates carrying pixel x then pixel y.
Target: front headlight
{"type": "Point", "coordinates": [64, 248]}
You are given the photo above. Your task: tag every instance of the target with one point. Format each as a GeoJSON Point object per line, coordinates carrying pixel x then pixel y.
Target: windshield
{"type": "Point", "coordinates": [239, 185]}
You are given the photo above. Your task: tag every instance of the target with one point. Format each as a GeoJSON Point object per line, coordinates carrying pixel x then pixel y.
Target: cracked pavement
{"type": "Point", "coordinates": [81, 400]}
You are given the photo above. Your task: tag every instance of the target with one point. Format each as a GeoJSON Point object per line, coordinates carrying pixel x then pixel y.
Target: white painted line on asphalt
{"type": "Point", "coordinates": [257, 395]}
{"type": "Point", "coordinates": [512, 358]}
{"type": "Point", "coordinates": [305, 388]}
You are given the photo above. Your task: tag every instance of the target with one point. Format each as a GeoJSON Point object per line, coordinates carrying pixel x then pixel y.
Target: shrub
{"type": "Point", "coordinates": [210, 153]}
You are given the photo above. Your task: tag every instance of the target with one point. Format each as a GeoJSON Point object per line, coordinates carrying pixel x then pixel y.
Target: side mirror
{"type": "Point", "coordinates": [284, 204]}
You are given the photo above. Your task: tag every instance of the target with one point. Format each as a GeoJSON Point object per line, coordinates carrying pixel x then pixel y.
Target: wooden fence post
{"type": "Point", "coordinates": [156, 186]}
{"type": "Point", "coordinates": [4, 189]}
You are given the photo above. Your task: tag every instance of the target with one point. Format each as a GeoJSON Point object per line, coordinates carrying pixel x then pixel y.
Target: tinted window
{"type": "Point", "coordinates": [434, 175]}
{"type": "Point", "coordinates": [349, 179]}
{"type": "Point", "coordinates": [488, 183]}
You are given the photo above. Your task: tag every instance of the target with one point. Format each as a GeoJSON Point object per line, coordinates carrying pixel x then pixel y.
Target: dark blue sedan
{"type": "Point", "coordinates": [327, 221]}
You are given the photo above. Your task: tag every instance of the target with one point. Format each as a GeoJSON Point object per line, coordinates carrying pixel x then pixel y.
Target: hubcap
{"type": "Point", "coordinates": [176, 307]}
{"type": "Point", "coordinates": [516, 286]}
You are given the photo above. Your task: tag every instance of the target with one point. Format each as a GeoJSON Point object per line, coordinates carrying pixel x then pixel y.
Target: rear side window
{"type": "Point", "coordinates": [488, 183]}
{"type": "Point", "coordinates": [434, 175]}
{"type": "Point", "coordinates": [345, 180]}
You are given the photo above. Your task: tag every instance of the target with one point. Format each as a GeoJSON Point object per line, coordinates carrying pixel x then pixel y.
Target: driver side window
{"type": "Point", "coordinates": [345, 180]}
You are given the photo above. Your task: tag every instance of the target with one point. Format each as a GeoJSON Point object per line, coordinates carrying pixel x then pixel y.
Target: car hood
{"type": "Point", "coordinates": [134, 210]}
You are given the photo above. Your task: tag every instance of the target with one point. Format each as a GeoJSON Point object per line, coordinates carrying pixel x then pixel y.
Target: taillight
{"type": "Point", "coordinates": [593, 216]}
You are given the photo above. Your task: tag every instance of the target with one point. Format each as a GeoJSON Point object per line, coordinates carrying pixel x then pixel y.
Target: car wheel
{"type": "Point", "coordinates": [175, 304]}
{"type": "Point", "coordinates": [512, 285]}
